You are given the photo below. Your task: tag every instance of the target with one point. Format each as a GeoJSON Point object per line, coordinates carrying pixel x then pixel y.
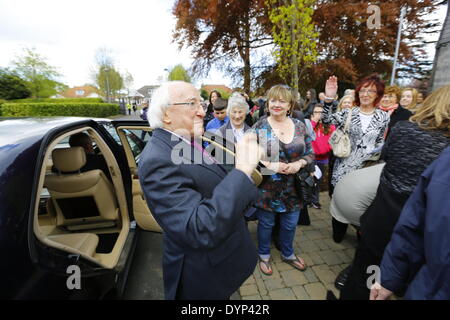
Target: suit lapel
{"type": "Point", "coordinates": [193, 156]}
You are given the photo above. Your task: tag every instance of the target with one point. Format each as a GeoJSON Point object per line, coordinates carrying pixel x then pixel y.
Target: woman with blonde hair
{"type": "Point", "coordinates": [390, 104]}
{"type": "Point", "coordinates": [408, 99]}
{"type": "Point", "coordinates": [346, 102]}
{"type": "Point", "coordinates": [288, 149]}
{"type": "Point", "coordinates": [411, 147]}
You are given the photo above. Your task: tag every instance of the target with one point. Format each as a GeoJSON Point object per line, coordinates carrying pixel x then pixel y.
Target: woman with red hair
{"type": "Point", "coordinates": [367, 127]}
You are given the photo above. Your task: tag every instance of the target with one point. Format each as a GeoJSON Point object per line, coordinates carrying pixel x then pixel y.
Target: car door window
{"type": "Point", "coordinates": [137, 139]}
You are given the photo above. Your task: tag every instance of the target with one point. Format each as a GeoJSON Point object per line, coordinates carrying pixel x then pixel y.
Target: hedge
{"type": "Point", "coordinates": [1, 103]}
{"type": "Point", "coordinates": [93, 110]}
{"type": "Point", "coordinates": [61, 100]}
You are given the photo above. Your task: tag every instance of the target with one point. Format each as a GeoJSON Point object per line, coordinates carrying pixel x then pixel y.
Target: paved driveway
{"type": "Point", "coordinates": [314, 243]}
{"type": "Point", "coordinates": [324, 257]}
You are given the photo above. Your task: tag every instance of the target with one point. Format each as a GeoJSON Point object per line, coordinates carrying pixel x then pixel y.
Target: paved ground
{"type": "Point", "coordinates": [324, 257]}
{"type": "Point", "coordinates": [133, 116]}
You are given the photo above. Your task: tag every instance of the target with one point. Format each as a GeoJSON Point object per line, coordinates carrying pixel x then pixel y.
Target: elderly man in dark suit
{"type": "Point", "coordinates": [208, 252]}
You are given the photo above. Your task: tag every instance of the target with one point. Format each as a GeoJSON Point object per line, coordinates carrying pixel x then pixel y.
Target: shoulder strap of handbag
{"type": "Point", "coordinates": [347, 121]}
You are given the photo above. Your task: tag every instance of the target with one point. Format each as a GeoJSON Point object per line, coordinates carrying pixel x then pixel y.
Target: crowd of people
{"type": "Point", "coordinates": [394, 136]}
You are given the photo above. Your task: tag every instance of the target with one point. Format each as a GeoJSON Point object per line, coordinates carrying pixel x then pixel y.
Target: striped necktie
{"type": "Point", "coordinates": [203, 152]}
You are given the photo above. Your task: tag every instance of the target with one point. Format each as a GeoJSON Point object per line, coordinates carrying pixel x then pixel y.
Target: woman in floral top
{"type": "Point", "coordinates": [288, 149]}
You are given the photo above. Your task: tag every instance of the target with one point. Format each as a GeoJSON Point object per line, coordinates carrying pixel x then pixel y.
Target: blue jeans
{"type": "Point", "coordinates": [288, 224]}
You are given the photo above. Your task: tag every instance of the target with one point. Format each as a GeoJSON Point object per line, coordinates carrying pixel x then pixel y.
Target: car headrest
{"type": "Point", "coordinates": [69, 159]}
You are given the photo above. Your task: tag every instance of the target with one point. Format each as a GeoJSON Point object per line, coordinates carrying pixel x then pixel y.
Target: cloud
{"type": "Point", "coordinates": [138, 32]}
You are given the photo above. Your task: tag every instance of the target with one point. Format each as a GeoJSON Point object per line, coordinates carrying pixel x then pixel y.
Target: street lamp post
{"type": "Point", "coordinates": [107, 84]}
{"type": "Point", "coordinates": [397, 46]}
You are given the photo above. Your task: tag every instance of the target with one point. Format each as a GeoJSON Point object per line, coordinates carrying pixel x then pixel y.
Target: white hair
{"type": "Point", "coordinates": [237, 101]}
{"type": "Point", "coordinates": [159, 104]}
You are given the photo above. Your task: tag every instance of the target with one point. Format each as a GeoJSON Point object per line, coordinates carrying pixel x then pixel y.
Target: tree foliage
{"type": "Point", "coordinates": [179, 73]}
{"type": "Point", "coordinates": [230, 34]}
{"type": "Point", "coordinates": [295, 38]}
{"type": "Point", "coordinates": [349, 48]}
{"type": "Point", "coordinates": [12, 86]}
{"type": "Point", "coordinates": [38, 74]}
{"type": "Point", "coordinates": [225, 34]}
{"type": "Point", "coordinates": [106, 77]}
{"type": "Point", "coordinates": [128, 81]}
{"type": "Point", "coordinates": [109, 81]}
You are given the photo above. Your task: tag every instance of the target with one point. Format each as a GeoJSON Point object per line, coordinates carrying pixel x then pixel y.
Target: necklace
{"type": "Point", "coordinates": [367, 113]}
{"type": "Point", "coordinates": [278, 129]}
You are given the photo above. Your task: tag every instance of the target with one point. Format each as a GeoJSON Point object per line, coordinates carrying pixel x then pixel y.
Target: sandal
{"type": "Point", "coordinates": [293, 263]}
{"type": "Point", "coordinates": [267, 265]}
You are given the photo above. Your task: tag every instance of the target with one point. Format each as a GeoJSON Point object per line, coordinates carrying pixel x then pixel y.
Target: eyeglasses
{"type": "Point", "coordinates": [191, 104]}
{"type": "Point", "coordinates": [362, 92]}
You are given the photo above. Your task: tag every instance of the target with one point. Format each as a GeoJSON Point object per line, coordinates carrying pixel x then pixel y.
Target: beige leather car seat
{"type": "Point", "coordinates": [82, 200]}
{"type": "Point", "coordinates": [85, 243]}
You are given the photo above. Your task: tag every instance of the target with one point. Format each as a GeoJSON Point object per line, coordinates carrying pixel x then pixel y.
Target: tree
{"type": "Point", "coordinates": [12, 87]}
{"type": "Point", "coordinates": [204, 94]}
{"type": "Point", "coordinates": [106, 77]}
{"type": "Point", "coordinates": [179, 73]}
{"type": "Point", "coordinates": [38, 74]}
{"type": "Point", "coordinates": [109, 81]}
{"type": "Point", "coordinates": [294, 35]}
{"type": "Point", "coordinates": [128, 81]}
{"type": "Point", "coordinates": [225, 34]}
{"type": "Point", "coordinates": [351, 48]}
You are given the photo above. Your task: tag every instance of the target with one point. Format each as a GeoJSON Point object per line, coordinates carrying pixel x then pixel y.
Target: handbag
{"type": "Point", "coordinates": [340, 139]}
{"type": "Point", "coordinates": [304, 183]}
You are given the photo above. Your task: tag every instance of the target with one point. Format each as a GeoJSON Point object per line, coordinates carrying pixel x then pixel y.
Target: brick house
{"type": "Point", "coordinates": [210, 87]}
{"type": "Point", "coordinates": [86, 91]}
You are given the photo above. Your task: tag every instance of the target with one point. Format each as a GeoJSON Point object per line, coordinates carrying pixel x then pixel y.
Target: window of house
{"type": "Point", "coordinates": [79, 92]}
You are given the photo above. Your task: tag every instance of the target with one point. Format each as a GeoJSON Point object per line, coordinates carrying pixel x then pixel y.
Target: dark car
{"type": "Point", "coordinates": [68, 235]}
{"type": "Point", "coordinates": [67, 232]}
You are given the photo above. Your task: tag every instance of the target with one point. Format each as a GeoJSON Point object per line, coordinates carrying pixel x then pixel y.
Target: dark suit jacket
{"type": "Point", "coordinates": [208, 251]}
{"type": "Point", "coordinates": [222, 131]}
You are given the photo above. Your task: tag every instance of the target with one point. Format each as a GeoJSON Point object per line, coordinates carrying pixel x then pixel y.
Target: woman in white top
{"type": "Point", "coordinates": [237, 110]}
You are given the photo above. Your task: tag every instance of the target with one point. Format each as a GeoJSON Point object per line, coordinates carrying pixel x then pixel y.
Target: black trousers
{"type": "Point", "coordinates": [356, 287]}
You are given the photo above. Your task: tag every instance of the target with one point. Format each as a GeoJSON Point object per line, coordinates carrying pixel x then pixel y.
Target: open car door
{"type": "Point", "coordinates": [134, 135]}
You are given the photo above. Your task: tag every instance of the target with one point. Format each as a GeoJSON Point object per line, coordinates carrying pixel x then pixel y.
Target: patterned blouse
{"type": "Point", "coordinates": [277, 191]}
{"type": "Point", "coordinates": [364, 144]}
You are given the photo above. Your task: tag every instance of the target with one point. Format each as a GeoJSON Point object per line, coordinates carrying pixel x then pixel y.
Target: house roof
{"type": "Point", "coordinates": [146, 89]}
{"type": "Point", "coordinates": [135, 93]}
{"type": "Point", "coordinates": [210, 87]}
{"type": "Point", "coordinates": [80, 92]}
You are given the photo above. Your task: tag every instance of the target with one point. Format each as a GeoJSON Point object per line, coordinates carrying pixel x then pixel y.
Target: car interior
{"type": "Point", "coordinates": [83, 213]}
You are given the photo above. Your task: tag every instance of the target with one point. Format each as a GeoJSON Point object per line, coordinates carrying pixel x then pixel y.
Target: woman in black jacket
{"type": "Point", "coordinates": [311, 101]}
{"type": "Point", "coordinates": [209, 115]}
{"type": "Point", "coordinates": [410, 148]}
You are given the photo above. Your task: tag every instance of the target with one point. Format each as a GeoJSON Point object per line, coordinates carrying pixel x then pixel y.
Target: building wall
{"type": "Point", "coordinates": [441, 71]}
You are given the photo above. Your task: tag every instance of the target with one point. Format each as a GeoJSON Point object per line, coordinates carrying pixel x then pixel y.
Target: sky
{"type": "Point", "coordinates": [68, 33]}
